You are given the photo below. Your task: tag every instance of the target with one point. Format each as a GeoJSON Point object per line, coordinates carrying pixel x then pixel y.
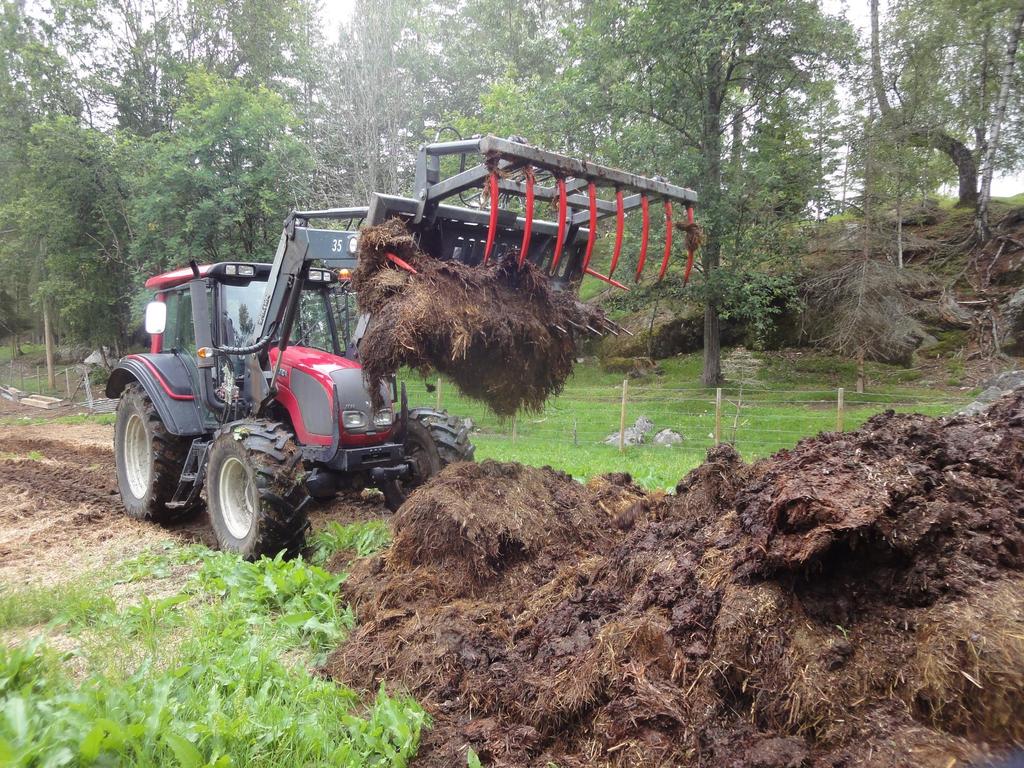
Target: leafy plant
{"type": "Point", "coordinates": [213, 687]}
{"type": "Point", "coordinates": [361, 539]}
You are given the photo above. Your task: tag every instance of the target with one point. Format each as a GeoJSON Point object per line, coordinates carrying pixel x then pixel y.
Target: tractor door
{"type": "Point", "coordinates": [178, 343]}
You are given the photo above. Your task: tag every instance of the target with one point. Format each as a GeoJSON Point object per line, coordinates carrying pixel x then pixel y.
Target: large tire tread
{"type": "Point", "coordinates": [169, 454]}
{"type": "Point", "coordinates": [276, 460]}
{"type": "Point", "coordinates": [450, 434]}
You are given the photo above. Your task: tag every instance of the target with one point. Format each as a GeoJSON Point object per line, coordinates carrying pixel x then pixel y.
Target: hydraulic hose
{"type": "Point", "coordinates": [256, 346]}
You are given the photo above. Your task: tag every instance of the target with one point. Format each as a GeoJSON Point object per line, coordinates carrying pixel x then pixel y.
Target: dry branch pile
{"type": "Point", "coordinates": [501, 333]}
{"type": "Point", "coordinates": [858, 600]}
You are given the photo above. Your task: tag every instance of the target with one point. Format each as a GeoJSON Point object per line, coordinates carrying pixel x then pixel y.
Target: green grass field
{"type": "Point", "coordinates": [791, 400]}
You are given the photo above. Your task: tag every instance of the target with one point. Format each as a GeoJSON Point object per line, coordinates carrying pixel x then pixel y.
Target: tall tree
{"type": "Point", "coordinates": [220, 184]}
{"type": "Point", "coordinates": [934, 74]}
{"type": "Point", "coordinates": [695, 70]}
{"type": "Point", "coordinates": [996, 125]}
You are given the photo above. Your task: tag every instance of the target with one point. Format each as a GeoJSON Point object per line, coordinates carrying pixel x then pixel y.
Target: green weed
{"type": "Point", "coordinates": [159, 562]}
{"type": "Point", "coordinates": [74, 603]}
{"type": "Point", "coordinates": [205, 682]}
{"type": "Point", "coordinates": [361, 539]}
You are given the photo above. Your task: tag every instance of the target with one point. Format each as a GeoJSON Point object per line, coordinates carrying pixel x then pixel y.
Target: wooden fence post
{"type": "Point", "coordinates": [88, 388]}
{"type": "Point", "coordinates": [839, 410]}
{"type": "Point", "coordinates": [622, 417]}
{"type": "Point", "coordinates": [39, 382]}
{"type": "Point", "coordinates": [67, 381]}
{"type": "Point", "coordinates": [718, 416]}
{"type": "Point", "coordinates": [575, 433]}
{"type": "Point", "coordinates": [515, 426]}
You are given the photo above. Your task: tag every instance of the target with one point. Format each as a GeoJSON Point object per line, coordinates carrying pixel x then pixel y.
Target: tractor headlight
{"type": "Point", "coordinates": [383, 418]}
{"type": "Point", "coordinates": [353, 419]}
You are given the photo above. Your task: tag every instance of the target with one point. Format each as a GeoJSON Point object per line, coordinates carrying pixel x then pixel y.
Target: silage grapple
{"type": "Point", "coordinates": [488, 208]}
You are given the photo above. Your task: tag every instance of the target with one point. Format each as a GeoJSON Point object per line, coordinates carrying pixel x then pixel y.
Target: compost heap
{"type": "Point", "coordinates": [500, 332]}
{"type": "Point", "coordinates": [858, 600]}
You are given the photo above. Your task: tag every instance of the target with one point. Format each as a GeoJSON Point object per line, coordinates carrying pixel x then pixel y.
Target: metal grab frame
{"type": "Point", "coordinates": [503, 160]}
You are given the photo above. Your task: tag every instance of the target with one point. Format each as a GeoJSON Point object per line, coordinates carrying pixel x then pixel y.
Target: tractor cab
{"type": "Point", "coordinates": [326, 318]}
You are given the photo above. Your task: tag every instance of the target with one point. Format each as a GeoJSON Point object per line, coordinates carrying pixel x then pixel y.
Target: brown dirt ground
{"type": "Point", "coordinates": [61, 516]}
{"type": "Point", "coordinates": [858, 600]}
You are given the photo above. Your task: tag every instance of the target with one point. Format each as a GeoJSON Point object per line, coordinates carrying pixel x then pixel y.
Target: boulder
{"type": "Point", "coordinates": [643, 424]}
{"type": "Point", "coordinates": [943, 313]}
{"type": "Point", "coordinates": [1007, 381]}
{"type": "Point", "coordinates": [673, 331]}
{"type": "Point", "coordinates": [1013, 314]}
{"type": "Point", "coordinates": [667, 437]}
{"type": "Point", "coordinates": [633, 435]}
{"type": "Point", "coordinates": [993, 389]}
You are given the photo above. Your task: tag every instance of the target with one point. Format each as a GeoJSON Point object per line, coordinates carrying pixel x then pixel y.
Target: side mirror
{"type": "Point", "coordinates": [156, 317]}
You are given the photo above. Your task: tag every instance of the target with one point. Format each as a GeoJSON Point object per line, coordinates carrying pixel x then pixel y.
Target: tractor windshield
{"type": "Point", "coordinates": [239, 307]}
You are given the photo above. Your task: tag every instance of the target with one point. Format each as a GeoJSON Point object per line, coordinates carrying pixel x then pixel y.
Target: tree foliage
{"type": "Point", "coordinates": [217, 188]}
{"type": "Point", "coordinates": [141, 135]}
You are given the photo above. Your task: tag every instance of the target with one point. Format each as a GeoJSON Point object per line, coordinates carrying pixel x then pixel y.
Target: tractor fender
{"type": "Point", "coordinates": [168, 385]}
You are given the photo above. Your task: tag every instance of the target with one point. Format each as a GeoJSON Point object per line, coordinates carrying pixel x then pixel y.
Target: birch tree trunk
{"type": "Point", "coordinates": [981, 219]}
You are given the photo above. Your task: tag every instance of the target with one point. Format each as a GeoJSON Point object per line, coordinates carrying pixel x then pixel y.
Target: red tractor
{"type": "Point", "coordinates": [252, 390]}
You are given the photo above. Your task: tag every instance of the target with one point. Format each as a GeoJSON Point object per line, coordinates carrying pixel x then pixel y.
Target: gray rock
{"type": "Point", "coordinates": [1015, 306]}
{"type": "Point", "coordinates": [634, 435]}
{"type": "Point", "coordinates": [973, 409]}
{"type": "Point", "coordinates": [667, 437]}
{"type": "Point", "coordinates": [994, 388]}
{"type": "Point", "coordinates": [1013, 316]}
{"type": "Point", "coordinates": [927, 342]}
{"type": "Point", "coordinates": [1007, 381]}
{"type": "Point", "coordinates": [643, 425]}
{"type": "Point", "coordinates": [630, 437]}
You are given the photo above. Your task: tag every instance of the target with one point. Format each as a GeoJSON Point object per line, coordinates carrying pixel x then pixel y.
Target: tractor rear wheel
{"type": "Point", "coordinates": [149, 459]}
{"type": "Point", "coordinates": [255, 490]}
{"type": "Point", "coordinates": [433, 440]}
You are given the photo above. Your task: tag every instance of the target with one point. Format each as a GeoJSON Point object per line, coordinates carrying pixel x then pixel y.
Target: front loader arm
{"type": "Point", "coordinates": [284, 285]}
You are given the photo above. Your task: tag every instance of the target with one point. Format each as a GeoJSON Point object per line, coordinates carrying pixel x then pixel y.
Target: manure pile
{"type": "Point", "coordinates": [858, 600]}
{"type": "Point", "coordinates": [501, 333]}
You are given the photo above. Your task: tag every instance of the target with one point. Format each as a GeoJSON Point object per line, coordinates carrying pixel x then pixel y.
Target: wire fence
{"type": "Point", "coordinates": [72, 384]}
{"type": "Point", "coordinates": [588, 418]}
{"type": "Point", "coordinates": [758, 422]}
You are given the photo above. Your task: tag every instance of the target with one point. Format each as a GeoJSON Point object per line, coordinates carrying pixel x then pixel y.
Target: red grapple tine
{"type": "Point", "coordinates": [689, 251]}
{"type": "Point", "coordinates": [606, 279]}
{"type": "Point", "coordinates": [563, 208]}
{"type": "Point", "coordinates": [401, 263]}
{"type": "Point", "coordinates": [668, 239]}
{"type": "Point", "coordinates": [592, 237]}
{"type": "Point", "coordinates": [524, 249]}
{"type": "Point", "coordinates": [492, 224]}
{"type": "Point", "coordinates": [620, 222]}
{"type": "Point", "coordinates": [645, 216]}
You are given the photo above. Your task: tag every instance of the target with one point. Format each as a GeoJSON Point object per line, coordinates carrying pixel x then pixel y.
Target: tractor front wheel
{"type": "Point", "coordinates": [255, 490]}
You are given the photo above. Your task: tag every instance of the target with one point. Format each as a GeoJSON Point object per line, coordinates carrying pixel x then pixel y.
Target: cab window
{"type": "Point", "coordinates": [312, 326]}
{"type": "Point", "coordinates": [179, 333]}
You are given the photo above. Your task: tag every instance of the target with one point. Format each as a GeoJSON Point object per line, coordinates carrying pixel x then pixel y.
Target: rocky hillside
{"type": "Point", "coordinates": [963, 303]}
